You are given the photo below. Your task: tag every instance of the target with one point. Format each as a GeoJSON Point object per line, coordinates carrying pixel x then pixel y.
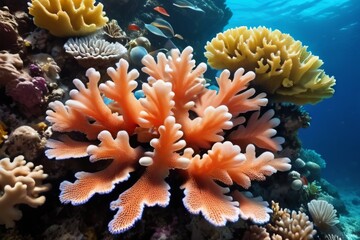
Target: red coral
{"type": "Point", "coordinates": [181, 119]}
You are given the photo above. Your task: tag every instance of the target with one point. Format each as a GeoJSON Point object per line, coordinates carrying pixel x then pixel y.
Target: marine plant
{"type": "Point", "coordinates": [312, 190]}
{"type": "Point", "coordinates": [179, 125]}
{"type": "Point", "coordinates": [284, 68]}
{"type": "Point", "coordinates": [68, 18]}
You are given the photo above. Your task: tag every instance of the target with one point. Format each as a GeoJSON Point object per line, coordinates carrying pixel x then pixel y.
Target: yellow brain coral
{"type": "Point", "coordinates": [284, 68]}
{"type": "Point", "coordinates": [65, 18]}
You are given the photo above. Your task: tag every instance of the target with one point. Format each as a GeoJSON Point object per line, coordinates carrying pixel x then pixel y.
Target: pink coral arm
{"type": "Point", "coordinates": [202, 194]}
{"type": "Point", "coordinates": [231, 94]}
{"type": "Point", "coordinates": [225, 163]}
{"type": "Point", "coordinates": [89, 102]}
{"type": "Point", "coordinates": [157, 104]}
{"type": "Point", "coordinates": [65, 148]}
{"type": "Point", "coordinates": [151, 188]}
{"type": "Point", "coordinates": [252, 208]}
{"type": "Point", "coordinates": [87, 184]}
{"type": "Point", "coordinates": [203, 131]}
{"type": "Point", "coordinates": [120, 90]}
{"type": "Point", "coordinates": [257, 168]}
{"type": "Point", "coordinates": [187, 81]}
{"type": "Point", "coordinates": [259, 131]}
{"type": "Point", "coordinates": [66, 119]}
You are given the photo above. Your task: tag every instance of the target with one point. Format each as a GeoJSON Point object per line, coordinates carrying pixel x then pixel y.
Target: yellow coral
{"type": "Point", "coordinates": [65, 18]}
{"type": "Point", "coordinates": [284, 68]}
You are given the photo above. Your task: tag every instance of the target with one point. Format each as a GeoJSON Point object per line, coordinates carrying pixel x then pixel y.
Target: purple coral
{"type": "Point", "coordinates": [29, 93]}
{"type": "Point", "coordinates": [35, 70]}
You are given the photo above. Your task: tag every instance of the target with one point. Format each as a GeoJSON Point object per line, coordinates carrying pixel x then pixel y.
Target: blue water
{"type": "Point", "coordinates": [331, 29]}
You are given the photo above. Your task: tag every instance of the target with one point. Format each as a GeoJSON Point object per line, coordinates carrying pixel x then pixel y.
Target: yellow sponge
{"type": "Point", "coordinates": [284, 68]}
{"type": "Point", "coordinates": [67, 18]}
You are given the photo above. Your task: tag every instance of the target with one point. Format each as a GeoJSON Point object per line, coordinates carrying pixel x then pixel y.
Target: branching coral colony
{"type": "Point", "coordinates": [195, 131]}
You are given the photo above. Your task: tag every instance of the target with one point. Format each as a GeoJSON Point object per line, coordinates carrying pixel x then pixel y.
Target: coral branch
{"type": "Point", "coordinates": [252, 208]}
{"type": "Point", "coordinates": [20, 183]}
{"type": "Point", "coordinates": [231, 94]}
{"type": "Point", "coordinates": [205, 196]}
{"type": "Point", "coordinates": [89, 102]}
{"type": "Point", "coordinates": [203, 131]}
{"type": "Point", "coordinates": [120, 90]}
{"type": "Point", "coordinates": [157, 104]}
{"type": "Point", "coordinates": [258, 131]}
{"type": "Point", "coordinates": [124, 157]}
{"type": "Point", "coordinates": [149, 190]}
{"type": "Point", "coordinates": [257, 168]}
{"type": "Point", "coordinates": [65, 148]}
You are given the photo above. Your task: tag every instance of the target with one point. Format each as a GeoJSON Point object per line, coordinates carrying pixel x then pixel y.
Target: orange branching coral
{"type": "Point", "coordinates": [188, 130]}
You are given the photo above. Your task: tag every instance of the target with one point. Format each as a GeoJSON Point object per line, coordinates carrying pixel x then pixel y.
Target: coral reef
{"type": "Point", "coordinates": [284, 68]}
{"type": "Point", "coordinates": [323, 214]}
{"type": "Point", "coordinates": [92, 51]}
{"type": "Point", "coordinates": [10, 67]}
{"type": "Point", "coordinates": [9, 34]}
{"type": "Point", "coordinates": [179, 125]}
{"type": "Point", "coordinates": [24, 140]}
{"type": "Point", "coordinates": [114, 33]}
{"type": "Point", "coordinates": [284, 224]}
{"type": "Point", "coordinates": [20, 183]}
{"type": "Point", "coordinates": [65, 18]}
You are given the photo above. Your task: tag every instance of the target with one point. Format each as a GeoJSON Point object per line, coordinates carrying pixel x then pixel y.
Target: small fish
{"type": "Point", "coordinates": [186, 4]}
{"type": "Point", "coordinates": [155, 30]}
{"type": "Point", "coordinates": [162, 11]}
{"type": "Point", "coordinates": [165, 26]}
{"type": "Point", "coordinates": [179, 36]}
{"type": "Point", "coordinates": [133, 27]}
{"type": "Point", "coordinates": [162, 28]}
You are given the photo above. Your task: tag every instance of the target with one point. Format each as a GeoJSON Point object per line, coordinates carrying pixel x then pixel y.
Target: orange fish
{"type": "Point", "coordinates": [162, 11]}
{"type": "Point", "coordinates": [133, 27]}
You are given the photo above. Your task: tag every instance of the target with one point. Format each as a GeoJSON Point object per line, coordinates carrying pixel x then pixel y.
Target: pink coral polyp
{"type": "Point", "coordinates": [189, 128]}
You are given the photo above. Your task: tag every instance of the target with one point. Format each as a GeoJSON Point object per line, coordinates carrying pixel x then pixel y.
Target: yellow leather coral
{"type": "Point", "coordinates": [284, 68]}
{"type": "Point", "coordinates": [66, 18]}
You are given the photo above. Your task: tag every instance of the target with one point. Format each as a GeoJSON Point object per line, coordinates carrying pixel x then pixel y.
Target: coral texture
{"type": "Point", "coordinates": [323, 214]}
{"type": "Point", "coordinates": [284, 68]}
{"type": "Point", "coordinates": [92, 51]}
{"type": "Point", "coordinates": [65, 18]}
{"type": "Point", "coordinates": [10, 37]}
{"type": "Point", "coordinates": [292, 225]}
{"type": "Point", "coordinates": [20, 183]}
{"type": "Point", "coordinates": [10, 67]}
{"type": "Point", "coordinates": [179, 125]}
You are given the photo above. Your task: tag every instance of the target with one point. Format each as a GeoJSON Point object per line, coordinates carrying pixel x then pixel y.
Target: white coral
{"type": "Point", "coordinates": [20, 183]}
{"type": "Point", "coordinates": [92, 47]}
{"type": "Point", "coordinates": [323, 214]}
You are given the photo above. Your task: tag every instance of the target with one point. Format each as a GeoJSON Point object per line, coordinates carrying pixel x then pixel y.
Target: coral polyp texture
{"type": "Point", "coordinates": [180, 126]}
{"type": "Point", "coordinates": [20, 183]}
{"type": "Point", "coordinates": [67, 18]}
{"type": "Point", "coordinates": [284, 68]}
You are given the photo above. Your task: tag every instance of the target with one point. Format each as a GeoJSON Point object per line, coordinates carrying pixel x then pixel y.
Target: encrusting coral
{"type": "Point", "coordinates": [284, 68]}
{"type": "Point", "coordinates": [67, 18]}
{"type": "Point", "coordinates": [20, 183]}
{"type": "Point", "coordinates": [179, 125]}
